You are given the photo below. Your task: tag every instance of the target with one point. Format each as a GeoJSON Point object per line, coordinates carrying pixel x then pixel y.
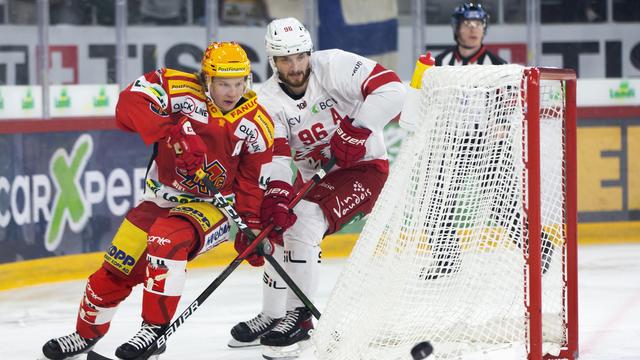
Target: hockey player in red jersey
{"type": "Point", "coordinates": [208, 121]}
{"type": "Point", "coordinates": [324, 103]}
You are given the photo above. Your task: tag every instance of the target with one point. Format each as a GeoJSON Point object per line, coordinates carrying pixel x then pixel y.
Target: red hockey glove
{"type": "Point", "coordinates": [348, 143]}
{"type": "Point", "coordinates": [275, 209]}
{"type": "Point", "coordinates": [189, 147]}
{"type": "Point", "coordinates": [242, 242]}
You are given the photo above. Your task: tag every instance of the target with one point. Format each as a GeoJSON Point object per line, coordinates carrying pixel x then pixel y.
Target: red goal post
{"type": "Point", "coordinates": [534, 77]}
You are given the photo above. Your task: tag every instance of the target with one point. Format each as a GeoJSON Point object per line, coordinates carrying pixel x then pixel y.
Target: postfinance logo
{"type": "Point", "coordinates": [69, 203]}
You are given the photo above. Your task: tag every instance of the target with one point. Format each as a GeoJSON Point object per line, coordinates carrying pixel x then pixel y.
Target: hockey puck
{"type": "Point", "coordinates": [421, 350]}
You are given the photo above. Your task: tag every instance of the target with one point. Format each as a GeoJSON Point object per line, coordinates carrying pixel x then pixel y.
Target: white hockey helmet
{"type": "Point", "coordinates": [286, 36]}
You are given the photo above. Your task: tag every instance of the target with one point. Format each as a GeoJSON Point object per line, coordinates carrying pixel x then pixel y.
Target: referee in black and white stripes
{"type": "Point", "coordinates": [469, 22]}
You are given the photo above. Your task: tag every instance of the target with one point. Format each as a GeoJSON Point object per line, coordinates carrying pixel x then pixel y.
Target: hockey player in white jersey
{"type": "Point", "coordinates": [324, 103]}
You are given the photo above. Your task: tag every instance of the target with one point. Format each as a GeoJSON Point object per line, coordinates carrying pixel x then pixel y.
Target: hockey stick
{"type": "Point", "coordinates": [221, 202]}
{"type": "Point", "coordinates": [265, 248]}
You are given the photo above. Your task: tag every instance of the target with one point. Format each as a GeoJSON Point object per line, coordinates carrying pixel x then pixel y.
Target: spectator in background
{"type": "Point", "coordinates": [162, 12]}
{"type": "Point", "coordinates": [244, 12]}
{"type": "Point", "coordinates": [71, 12]}
{"type": "Point", "coordinates": [22, 12]}
{"type": "Point", "coordinates": [235, 12]}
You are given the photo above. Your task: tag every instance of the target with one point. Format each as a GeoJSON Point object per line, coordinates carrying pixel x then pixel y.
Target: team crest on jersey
{"type": "Point", "coordinates": [315, 156]}
{"type": "Point", "coordinates": [215, 172]}
{"type": "Point", "coordinates": [157, 110]}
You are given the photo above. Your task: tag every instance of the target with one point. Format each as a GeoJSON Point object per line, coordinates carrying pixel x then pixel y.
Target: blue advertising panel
{"type": "Point", "coordinates": [66, 192]}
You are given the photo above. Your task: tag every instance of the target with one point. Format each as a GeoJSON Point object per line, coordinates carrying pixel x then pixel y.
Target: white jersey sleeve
{"type": "Point", "coordinates": [378, 89]}
{"type": "Point", "coordinates": [280, 166]}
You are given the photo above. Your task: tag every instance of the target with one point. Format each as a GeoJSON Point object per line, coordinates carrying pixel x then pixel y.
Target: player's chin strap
{"type": "Point", "coordinates": [256, 240]}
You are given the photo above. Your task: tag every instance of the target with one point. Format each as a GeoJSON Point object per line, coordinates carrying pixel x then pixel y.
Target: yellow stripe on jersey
{"type": "Point", "coordinates": [185, 86]}
{"type": "Point", "coordinates": [237, 113]}
{"type": "Point", "coordinates": [169, 73]}
{"type": "Point", "coordinates": [232, 116]}
{"type": "Point", "coordinates": [203, 213]}
{"type": "Point", "coordinates": [266, 125]}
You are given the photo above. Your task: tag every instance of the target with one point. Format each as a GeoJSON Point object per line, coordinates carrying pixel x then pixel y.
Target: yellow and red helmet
{"type": "Point", "coordinates": [225, 59]}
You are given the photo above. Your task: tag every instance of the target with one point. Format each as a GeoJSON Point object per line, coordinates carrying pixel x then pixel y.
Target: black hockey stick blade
{"type": "Point", "coordinates": [92, 355]}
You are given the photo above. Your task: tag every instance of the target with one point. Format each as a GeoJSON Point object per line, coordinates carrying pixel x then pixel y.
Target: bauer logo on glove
{"type": "Point", "coordinates": [348, 143]}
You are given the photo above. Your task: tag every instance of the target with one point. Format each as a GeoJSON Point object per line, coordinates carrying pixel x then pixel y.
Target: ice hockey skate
{"type": "Point", "coordinates": [247, 333]}
{"type": "Point", "coordinates": [290, 336]}
{"type": "Point", "coordinates": [137, 345]}
{"type": "Point", "coordinates": [67, 347]}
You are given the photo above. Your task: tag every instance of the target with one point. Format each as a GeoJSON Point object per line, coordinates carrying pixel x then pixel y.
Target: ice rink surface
{"type": "Point", "coordinates": [609, 300]}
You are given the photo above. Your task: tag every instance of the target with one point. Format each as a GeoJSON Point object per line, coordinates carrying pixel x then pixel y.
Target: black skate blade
{"type": "Point", "coordinates": [92, 355]}
{"type": "Point", "coordinates": [75, 357]}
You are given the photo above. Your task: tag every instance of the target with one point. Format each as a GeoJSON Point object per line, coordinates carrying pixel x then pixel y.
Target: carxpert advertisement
{"type": "Point", "coordinates": [66, 192]}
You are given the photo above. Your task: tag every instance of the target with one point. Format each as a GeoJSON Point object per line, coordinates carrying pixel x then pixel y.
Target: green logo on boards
{"type": "Point", "coordinates": [69, 204]}
{"type": "Point", "coordinates": [624, 91]}
{"type": "Point", "coordinates": [1, 101]}
{"type": "Point", "coordinates": [27, 101]}
{"type": "Point", "coordinates": [64, 101]}
{"type": "Point", "coordinates": [102, 100]}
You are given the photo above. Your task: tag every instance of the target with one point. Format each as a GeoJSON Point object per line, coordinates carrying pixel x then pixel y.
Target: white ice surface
{"type": "Point", "coordinates": [609, 315]}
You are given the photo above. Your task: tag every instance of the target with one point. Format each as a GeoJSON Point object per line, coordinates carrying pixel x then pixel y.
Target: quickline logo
{"type": "Point", "coordinates": [69, 203]}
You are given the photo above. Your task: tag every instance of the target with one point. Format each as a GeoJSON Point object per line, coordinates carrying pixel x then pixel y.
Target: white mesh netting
{"type": "Point", "coordinates": [442, 256]}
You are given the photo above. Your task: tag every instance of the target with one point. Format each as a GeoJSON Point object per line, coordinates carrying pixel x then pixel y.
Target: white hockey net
{"type": "Point", "coordinates": [443, 255]}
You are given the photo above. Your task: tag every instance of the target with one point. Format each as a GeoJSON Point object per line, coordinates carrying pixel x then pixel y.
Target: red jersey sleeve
{"type": "Point", "coordinates": [255, 155]}
{"type": "Point", "coordinates": [142, 107]}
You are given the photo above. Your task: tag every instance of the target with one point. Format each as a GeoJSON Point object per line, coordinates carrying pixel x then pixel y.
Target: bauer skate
{"type": "Point", "coordinates": [290, 336]}
{"type": "Point", "coordinates": [67, 347]}
{"type": "Point", "coordinates": [138, 344]}
{"type": "Point", "coordinates": [247, 333]}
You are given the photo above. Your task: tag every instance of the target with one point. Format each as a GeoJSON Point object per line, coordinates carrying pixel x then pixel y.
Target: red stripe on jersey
{"type": "Point", "coordinates": [281, 147]}
{"type": "Point", "coordinates": [475, 57]}
{"type": "Point", "coordinates": [378, 77]}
